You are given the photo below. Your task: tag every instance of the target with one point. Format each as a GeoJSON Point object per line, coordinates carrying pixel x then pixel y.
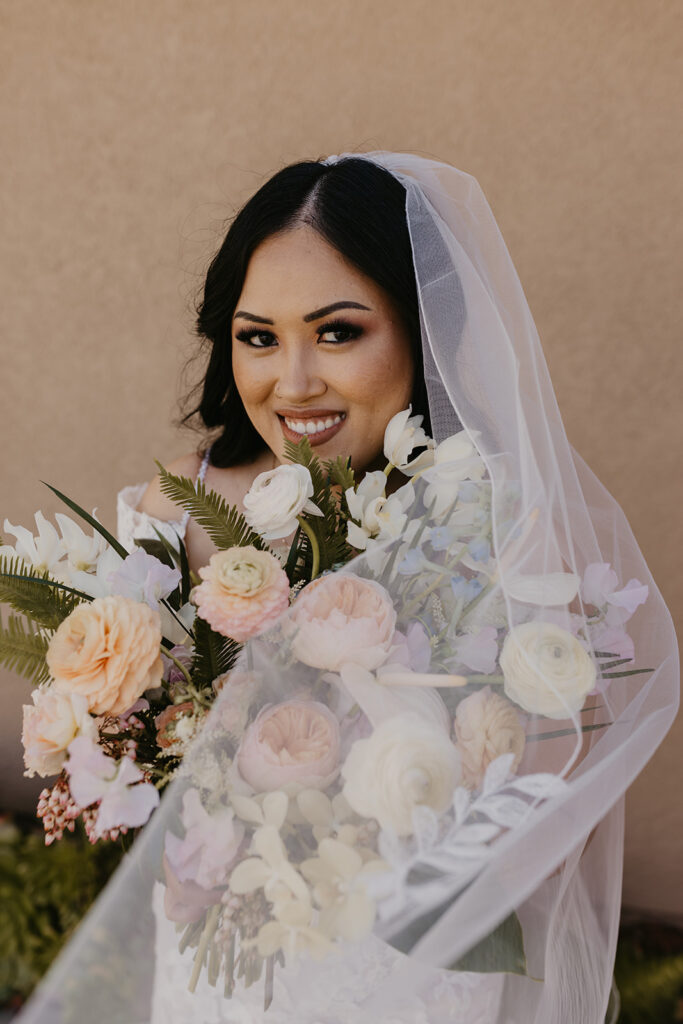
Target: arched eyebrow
{"type": "Point", "coordinates": [315, 315]}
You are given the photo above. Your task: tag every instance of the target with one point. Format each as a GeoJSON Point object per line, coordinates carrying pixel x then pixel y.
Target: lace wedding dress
{"type": "Point", "coordinates": [367, 983]}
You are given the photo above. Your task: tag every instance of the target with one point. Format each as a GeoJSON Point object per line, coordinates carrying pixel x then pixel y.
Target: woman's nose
{"type": "Point", "coordinates": [298, 378]}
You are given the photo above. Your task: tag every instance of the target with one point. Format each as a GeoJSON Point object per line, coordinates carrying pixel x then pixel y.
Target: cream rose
{"type": "Point", "coordinates": [342, 619]}
{"type": "Point", "coordinates": [546, 670]}
{"type": "Point", "coordinates": [486, 726]}
{"type": "Point", "coordinates": [49, 727]}
{"type": "Point", "coordinates": [276, 498]}
{"type": "Point", "coordinates": [107, 651]}
{"type": "Point", "coordinates": [407, 762]}
{"type": "Point", "coordinates": [290, 746]}
{"type": "Point", "coordinates": [243, 591]}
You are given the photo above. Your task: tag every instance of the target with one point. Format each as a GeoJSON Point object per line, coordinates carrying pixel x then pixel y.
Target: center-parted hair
{"type": "Point", "coordinates": [356, 206]}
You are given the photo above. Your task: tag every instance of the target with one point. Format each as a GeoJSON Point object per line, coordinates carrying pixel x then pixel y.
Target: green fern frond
{"type": "Point", "coordinates": [22, 650]}
{"type": "Point", "coordinates": [340, 472]}
{"type": "Point", "coordinates": [35, 594]}
{"type": "Point", "coordinates": [214, 654]}
{"type": "Point", "coordinates": [225, 524]}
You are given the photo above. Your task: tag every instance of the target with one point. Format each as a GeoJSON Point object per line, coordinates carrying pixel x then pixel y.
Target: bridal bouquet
{"type": "Point", "coordinates": [367, 732]}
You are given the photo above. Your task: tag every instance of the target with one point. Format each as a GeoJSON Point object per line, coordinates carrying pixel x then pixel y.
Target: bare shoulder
{"type": "Point", "coordinates": [154, 502]}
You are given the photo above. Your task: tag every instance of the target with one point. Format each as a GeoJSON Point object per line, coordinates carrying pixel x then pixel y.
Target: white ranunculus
{"type": "Point", "coordinates": [546, 670]}
{"type": "Point", "coordinates": [402, 435]}
{"type": "Point", "coordinates": [276, 498]}
{"type": "Point", "coordinates": [407, 762]}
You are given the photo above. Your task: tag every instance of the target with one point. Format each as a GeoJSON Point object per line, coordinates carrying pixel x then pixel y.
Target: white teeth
{"type": "Point", "coordinates": [312, 426]}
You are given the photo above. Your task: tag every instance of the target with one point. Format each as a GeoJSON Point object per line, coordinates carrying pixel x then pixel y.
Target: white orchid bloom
{"type": "Point", "coordinates": [96, 584]}
{"type": "Point", "coordinates": [456, 459]}
{"type": "Point", "coordinates": [338, 877]}
{"type": "Point", "coordinates": [270, 870]}
{"type": "Point", "coordinates": [379, 517]}
{"type": "Point", "coordinates": [44, 551]}
{"type": "Point", "coordinates": [82, 550]}
{"type": "Point", "coordinates": [329, 818]}
{"type": "Point", "coordinates": [550, 588]}
{"type": "Point", "coordinates": [292, 932]}
{"type": "Point", "coordinates": [402, 435]}
{"type": "Point", "coordinates": [262, 809]}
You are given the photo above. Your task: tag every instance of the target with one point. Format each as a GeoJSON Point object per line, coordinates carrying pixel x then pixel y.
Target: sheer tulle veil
{"type": "Point", "coordinates": [556, 868]}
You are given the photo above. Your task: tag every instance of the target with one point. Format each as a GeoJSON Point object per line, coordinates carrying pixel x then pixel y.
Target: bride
{"type": "Point", "coordinates": [347, 291]}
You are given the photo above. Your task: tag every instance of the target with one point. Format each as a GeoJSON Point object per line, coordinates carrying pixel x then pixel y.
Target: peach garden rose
{"type": "Point", "coordinates": [290, 746]}
{"type": "Point", "coordinates": [341, 619]}
{"type": "Point", "coordinates": [107, 650]}
{"type": "Point", "coordinates": [487, 726]}
{"type": "Point", "coordinates": [243, 591]}
{"type": "Point", "coordinates": [49, 726]}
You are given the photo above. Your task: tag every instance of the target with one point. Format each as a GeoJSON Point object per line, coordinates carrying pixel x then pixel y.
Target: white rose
{"type": "Point", "coordinates": [49, 727]}
{"type": "Point", "coordinates": [276, 498]}
{"type": "Point", "coordinates": [546, 670]}
{"type": "Point", "coordinates": [407, 762]}
{"type": "Point", "coordinates": [403, 433]}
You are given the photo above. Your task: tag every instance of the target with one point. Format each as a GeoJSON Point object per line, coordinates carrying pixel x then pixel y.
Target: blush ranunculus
{"type": "Point", "coordinates": [290, 746]}
{"type": "Point", "coordinates": [486, 726]}
{"type": "Point", "coordinates": [107, 650]}
{"type": "Point", "coordinates": [342, 619]}
{"type": "Point", "coordinates": [243, 592]}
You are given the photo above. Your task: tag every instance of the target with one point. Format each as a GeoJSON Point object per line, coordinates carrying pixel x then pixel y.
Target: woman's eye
{"type": "Point", "coordinates": [257, 339]}
{"type": "Point", "coordinates": [339, 332]}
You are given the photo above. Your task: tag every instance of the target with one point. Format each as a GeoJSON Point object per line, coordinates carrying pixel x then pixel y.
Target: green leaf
{"type": "Point", "coordinates": [35, 594]}
{"type": "Point", "coordinates": [214, 654]}
{"type": "Point", "coordinates": [340, 472]}
{"type": "Point", "coordinates": [103, 532]}
{"type": "Point", "coordinates": [225, 524]}
{"type": "Point", "coordinates": [565, 732]}
{"type": "Point", "coordinates": [502, 950]}
{"type": "Point", "coordinates": [22, 650]}
{"type": "Point", "coordinates": [620, 675]}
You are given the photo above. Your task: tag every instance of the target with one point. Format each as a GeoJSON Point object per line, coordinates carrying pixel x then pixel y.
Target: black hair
{"type": "Point", "coordinates": [355, 205]}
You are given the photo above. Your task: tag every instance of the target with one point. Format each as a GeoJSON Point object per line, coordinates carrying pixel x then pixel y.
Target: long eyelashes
{"type": "Point", "coordinates": [348, 331]}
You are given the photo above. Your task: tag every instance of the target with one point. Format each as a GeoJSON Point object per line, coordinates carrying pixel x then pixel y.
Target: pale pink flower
{"type": "Point", "coordinates": [210, 845]}
{"type": "Point", "coordinates": [94, 777]}
{"type": "Point", "coordinates": [49, 727]}
{"type": "Point", "coordinates": [185, 902]}
{"type": "Point", "coordinates": [290, 746]}
{"type": "Point", "coordinates": [478, 651]}
{"type": "Point", "coordinates": [108, 651]}
{"type": "Point", "coordinates": [486, 726]}
{"type": "Point", "coordinates": [599, 588]}
{"type": "Point", "coordinates": [243, 592]}
{"type": "Point", "coordinates": [342, 619]}
{"type": "Point", "coordinates": [144, 578]}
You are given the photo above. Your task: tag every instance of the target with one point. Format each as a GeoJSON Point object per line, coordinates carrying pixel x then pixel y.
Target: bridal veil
{"type": "Point", "coordinates": [552, 866]}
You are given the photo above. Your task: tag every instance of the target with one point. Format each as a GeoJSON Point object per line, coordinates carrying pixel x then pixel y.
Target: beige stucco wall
{"type": "Point", "coordinates": [131, 131]}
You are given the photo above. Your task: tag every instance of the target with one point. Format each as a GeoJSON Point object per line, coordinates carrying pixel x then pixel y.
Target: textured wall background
{"type": "Point", "coordinates": [132, 131]}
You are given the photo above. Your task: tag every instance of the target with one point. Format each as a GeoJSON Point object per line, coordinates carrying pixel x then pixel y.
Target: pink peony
{"type": "Point", "coordinates": [243, 592]}
{"type": "Point", "coordinates": [486, 726]}
{"type": "Point", "coordinates": [290, 746]}
{"type": "Point", "coordinates": [341, 619]}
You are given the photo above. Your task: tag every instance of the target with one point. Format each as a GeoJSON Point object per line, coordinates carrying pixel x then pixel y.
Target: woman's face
{"type": "Point", "coordinates": [318, 348]}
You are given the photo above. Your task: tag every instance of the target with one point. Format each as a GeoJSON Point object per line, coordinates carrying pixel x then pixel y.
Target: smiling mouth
{"type": "Point", "coordinates": [316, 429]}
